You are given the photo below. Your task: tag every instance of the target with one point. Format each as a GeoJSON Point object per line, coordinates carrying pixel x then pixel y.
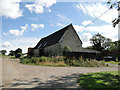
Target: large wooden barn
{"type": "Point", "coordinates": [53, 44]}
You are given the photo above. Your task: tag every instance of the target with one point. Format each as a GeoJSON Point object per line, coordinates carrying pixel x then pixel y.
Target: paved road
{"type": "Point", "coordinates": [16, 75]}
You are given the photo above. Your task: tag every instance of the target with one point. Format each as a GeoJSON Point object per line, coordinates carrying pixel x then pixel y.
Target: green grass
{"type": "Point", "coordinates": [2, 55]}
{"type": "Point", "coordinates": [91, 81]}
{"type": "Point", "coordinates": [12, 57]}
{"type": "Point", "coordinates": [112, 62]}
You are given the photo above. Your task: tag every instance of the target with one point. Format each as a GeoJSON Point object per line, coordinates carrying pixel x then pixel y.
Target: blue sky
{"type": "Point", "coordinates": [25, 23]}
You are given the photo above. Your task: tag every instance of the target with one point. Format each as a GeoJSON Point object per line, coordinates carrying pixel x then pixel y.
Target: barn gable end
{"type": "Point", "coordinates": [54, 43]}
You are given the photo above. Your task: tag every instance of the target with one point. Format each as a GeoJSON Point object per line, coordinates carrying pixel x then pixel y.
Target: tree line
{"type": "Point", "coordinates": [16, 53]}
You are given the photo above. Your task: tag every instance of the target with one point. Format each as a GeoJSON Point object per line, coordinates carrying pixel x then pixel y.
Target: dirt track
{"type": "Point", "coordinates": [16, 75]}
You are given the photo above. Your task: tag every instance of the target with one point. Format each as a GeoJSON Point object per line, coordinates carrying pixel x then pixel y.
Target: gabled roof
{"type": "Point", "coordinates": [53, 38]}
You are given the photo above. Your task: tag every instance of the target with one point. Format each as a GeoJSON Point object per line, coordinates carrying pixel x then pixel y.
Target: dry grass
{"type": "Point", "coordinates": [52, 63]}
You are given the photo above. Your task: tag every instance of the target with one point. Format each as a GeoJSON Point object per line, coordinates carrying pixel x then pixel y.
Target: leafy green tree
{"type": "Point", "coordinates": [3, 52]}
{"type": "Point", "coordinates": [115, 4]}
{"type": "Point", "coordinates": [18, 51]}
{"type": "Point", "coordinates": [100, 42]}
{"type": "Point", "coordinates": [12, 53]}
{"type": "Point", "coordinates": [113, 46]}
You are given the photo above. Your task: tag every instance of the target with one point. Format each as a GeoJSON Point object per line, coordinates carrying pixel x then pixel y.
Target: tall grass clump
{"type": "Point", "coordinates": [63, 61]}
{"type": "Point", "coordinates": [81, 62]}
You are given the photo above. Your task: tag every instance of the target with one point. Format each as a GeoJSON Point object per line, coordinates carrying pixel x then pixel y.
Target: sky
{"type": "Point", "coordinates": [25, 23]}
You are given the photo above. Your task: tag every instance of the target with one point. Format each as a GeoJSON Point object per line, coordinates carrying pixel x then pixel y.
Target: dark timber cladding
{"type": "Point", "coordinates": [53, 38]}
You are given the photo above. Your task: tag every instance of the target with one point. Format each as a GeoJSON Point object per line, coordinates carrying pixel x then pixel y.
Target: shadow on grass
{"type": "Point", "coordinates": [99, 80]}
{"type": "Point", "coordinates": [68, 81]}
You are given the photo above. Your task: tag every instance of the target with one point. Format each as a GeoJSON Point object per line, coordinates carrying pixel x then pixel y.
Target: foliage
{"type": "Point", "coordinates": [12, 53]}
{"type": "Point", "coordinates": [62, 61]}
{"type": "Point", "coordinates": [112, 62]}
{"type": "Point", "coordinates": [113, 46]}
{"type": "Point", "coordinates": [100, 42]}
{"type": "Point", "coordinates": [65, 50]}
{"type": "Point", "coordinates": [18, 51]}
{"type": "Point", "coordinates": [85, 63]}
{"type": "Point", "coordinates": [13, 57]}
{"type": "Point", "coordinates": [106, 80]}
{"type": "Point", "coordinates": [116, 20]}
{"type": "Point", "coordinates": [18, 55]}
{"type": "Point", "coordinates": [3, 52]}
{"type": "Point", "coordinates": [44, 61]}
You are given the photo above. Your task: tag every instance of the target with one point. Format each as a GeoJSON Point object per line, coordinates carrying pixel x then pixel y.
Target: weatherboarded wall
{"type": "Point", "coordinates": [52, 50]}
{"type": "Point", "coordinates": [71, 40]}
{"type": "Point", "coordinates": [36, 52]}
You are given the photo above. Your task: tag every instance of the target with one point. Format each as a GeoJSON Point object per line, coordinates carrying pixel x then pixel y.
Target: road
{"type": "Point", "coordinates": [16, 75]}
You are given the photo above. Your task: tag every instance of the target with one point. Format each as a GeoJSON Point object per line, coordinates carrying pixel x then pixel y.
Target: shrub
{"type": "Point", "coordinates": [3, 52]}
{"type": "Point", "coordinates": [12, 53]}
{"type": "Point", "coordinates": [43, 59]}
{"type": "Point", "coordinates": [18, 55]}
{"type": "Point", "coordinates": [85, 63]}
{"type": "Point", "coordinates": [52, 60]}
{"type": "Point", "coordinates": [65, 50]}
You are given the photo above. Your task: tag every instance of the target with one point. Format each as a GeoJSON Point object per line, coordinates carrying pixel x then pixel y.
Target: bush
{"type": "Point", "coordinates": [3, 52]}
{"type": "Point", "coordinates": [78, 63]}
{"type": "Point", "coordinates": [12, 53]}
{"type": "Point", "coordinates": [85, 63]}
{"type": "Point", "coordinates": [18, 55]}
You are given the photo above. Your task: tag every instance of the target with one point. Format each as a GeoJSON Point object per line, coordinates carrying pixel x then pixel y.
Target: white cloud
{"type": "Point", "coordinates": [18, 32]}
{"type": "Point", "coordinates": [22, 42]}
{"type": "Point", "coordinates": [35, 8]}
{"type": "Point", "coordinates": [10, 8]}
{"type": "Point", "coordinates": [60, 24]}
{"type": "Point", "coordinates": [39, 5]}
{"type": "Point", "coordinates": [96, 9]}
{"type": "Point", "coordinates": [49, 10]}
{"type": "Point", "coordinates": [36, 26]}
{"type": "Point", "coordinates": [24, 27]}
{"type": "Point", "coordinates": [85, 37]}
{"type": "Point", "coordinates": [5, 33]}
{"type": "Point", "coordinates": [64, 18]}
{"type": "Point", "coordinates": [106, 30]}
{"type": "Point", "coordinates": [85, 23]}
{"type": "Point", "coordinates": [7, 45]}
{"type": "Point", "coordinates": [78, 28]}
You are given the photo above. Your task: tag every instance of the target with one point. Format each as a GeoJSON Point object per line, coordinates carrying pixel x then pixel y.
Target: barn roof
{"type": "Point", "coordinates": [53, 38]}
{"type": "Point", "coordinates": [90, 51]}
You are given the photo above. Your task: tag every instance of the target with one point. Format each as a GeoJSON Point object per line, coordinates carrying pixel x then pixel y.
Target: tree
{"type": "Point", "coordinates": [113, 46]}
{"type": "Point", "coordinates": [65, 50]}
{"type": "Point", "coordinates": [18, 51]}
{"type": "Point", "coordinates": [117, 19]}
{"type": "Point", "coordinates": [3, 52]}
{"type": "Point", "coordinates": [12, 53]}
{"type": "Point", "coordinates": [100, 42]}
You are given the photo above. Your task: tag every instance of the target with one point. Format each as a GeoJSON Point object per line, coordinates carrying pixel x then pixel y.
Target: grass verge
{"type": "Point", "coordinates": [93, 81]}
{"type": "Point", "coordinates": [62, 62]}
{"type": "Point", "coordinates": [113, 62]}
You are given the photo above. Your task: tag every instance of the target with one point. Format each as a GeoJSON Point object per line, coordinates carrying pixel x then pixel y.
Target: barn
{"type": "Point", "coordinates": [53, 44]}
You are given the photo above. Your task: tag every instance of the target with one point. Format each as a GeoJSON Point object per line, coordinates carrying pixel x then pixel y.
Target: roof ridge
{"type": "Point", "coordinates": [57, 31]}
{"type": "Point", "coordinates": [53, 38]}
